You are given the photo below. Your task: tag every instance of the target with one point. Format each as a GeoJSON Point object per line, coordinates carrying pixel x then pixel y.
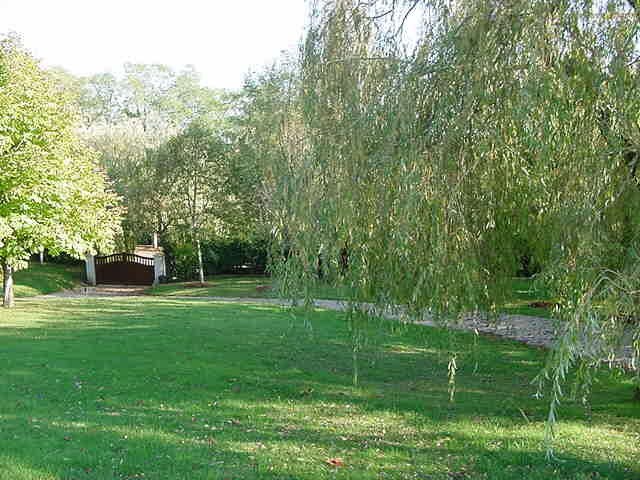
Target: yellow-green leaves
{"type": "Point", "coordinates": [52, 193]}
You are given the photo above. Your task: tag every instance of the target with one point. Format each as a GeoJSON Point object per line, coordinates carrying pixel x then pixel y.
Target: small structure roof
{"type": "Point", "coordinates": [148, 251]}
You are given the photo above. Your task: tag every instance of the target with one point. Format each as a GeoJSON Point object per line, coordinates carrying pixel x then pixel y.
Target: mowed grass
{"type": "Point", "coordinates": [239, 286]}
{"type": "Point", "coordinates": [40, 279]}
{"type": "Point", "coordinates": [159, 388]}
{"type": "Point", "coordinates": [522, 294]}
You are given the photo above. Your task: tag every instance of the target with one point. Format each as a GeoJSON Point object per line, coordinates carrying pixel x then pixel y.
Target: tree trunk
{"type": "Point", "coordinates": [200, 265]}
{"type": "Point", "coordinates": [7, 277]}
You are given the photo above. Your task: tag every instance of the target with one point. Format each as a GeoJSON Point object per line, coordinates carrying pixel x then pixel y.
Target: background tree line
{"type": "Point", "coordinates": [170, 155]}
{"type": "Point", "coordinates": [171, 148]}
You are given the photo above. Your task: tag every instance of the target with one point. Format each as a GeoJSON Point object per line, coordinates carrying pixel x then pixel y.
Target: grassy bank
{"type": "Point", "coordinates": [46, 278]}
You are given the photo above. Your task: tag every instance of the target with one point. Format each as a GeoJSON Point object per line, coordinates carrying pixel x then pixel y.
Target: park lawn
{"type": "Point", "coordinates": [522, 292]}
{"type": "Point", "coordinates": [40, 279]}
{"type": "Point", "coordinates": [243, 286]}
{"type": "Point", "coordinates": [238, 286]}
{"type": "Point", "coordinates": [162, 388]}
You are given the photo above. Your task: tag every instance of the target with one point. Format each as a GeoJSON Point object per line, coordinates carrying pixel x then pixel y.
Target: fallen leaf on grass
{"type": "Point", "coordinates": [460, 475]}
{"type": "Point", "coordinates": [335, 462]}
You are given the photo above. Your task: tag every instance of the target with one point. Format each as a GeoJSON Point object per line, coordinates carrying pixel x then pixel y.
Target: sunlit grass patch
{"type": "Point", "coordinates": [525, 298]}
{"type": "Point", "coordinates": [168, 388]}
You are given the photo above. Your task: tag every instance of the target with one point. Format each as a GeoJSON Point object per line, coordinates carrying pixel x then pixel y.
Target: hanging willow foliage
{"type": "Point", "coordinates": [420, 168]}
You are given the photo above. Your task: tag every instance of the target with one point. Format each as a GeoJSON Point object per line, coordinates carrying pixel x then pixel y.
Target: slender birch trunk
{"type": "Point", "coordinates": [7, 289]}
{"type": "Point", "coordinates": [200, 265]}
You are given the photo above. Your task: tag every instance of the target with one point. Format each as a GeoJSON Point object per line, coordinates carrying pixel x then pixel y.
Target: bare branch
{"type": "Point", "coordinates": [384, 14]}
{"type": "Point", "coordinates": [411, 9]}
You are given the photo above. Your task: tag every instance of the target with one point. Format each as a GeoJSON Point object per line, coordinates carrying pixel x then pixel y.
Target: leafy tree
{"type": "Point", "coordinates": [194, 174]}
{"type": "Point", "coordinates": [188, 100]}
{"type": "Point", "coordinates": [101, 99]}
{"type": "Point", "coordinates": [269, 145]}
{"type": "Point", "coordinates": [52, 193]}
{"type": "Point", "coordinates": [145, 88]}
{"type": "Point", "coordinates": [126, 155]}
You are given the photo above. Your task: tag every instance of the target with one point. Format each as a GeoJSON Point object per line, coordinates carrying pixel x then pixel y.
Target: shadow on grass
{"type": "Point", "coordinates": [178, 389]}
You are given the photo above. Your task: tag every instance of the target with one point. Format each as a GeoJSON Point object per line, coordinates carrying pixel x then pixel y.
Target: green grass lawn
{"type": "Point", "coordinates": [46, 278]}
{"type": "Point", "coordinates": [245, 286]}
{"type": "Point", "coordinates": [522, 294]}
{"type": "Point", "coordinates": [161, 388]}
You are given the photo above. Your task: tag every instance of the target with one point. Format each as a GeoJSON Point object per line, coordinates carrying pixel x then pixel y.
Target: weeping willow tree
{"type": "Point", "coordinates": [426, 162]}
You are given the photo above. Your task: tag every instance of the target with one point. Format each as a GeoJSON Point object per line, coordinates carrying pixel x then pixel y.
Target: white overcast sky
{"type": "Point", "coordinates": [223, 39]}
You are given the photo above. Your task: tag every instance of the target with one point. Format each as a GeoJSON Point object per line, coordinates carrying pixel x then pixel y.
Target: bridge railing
{"type": "Point", "coordinates": [124, 258]}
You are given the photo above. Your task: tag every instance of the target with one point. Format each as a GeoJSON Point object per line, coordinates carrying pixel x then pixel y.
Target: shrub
{"type": "Point", "coordinates": [220, 256]}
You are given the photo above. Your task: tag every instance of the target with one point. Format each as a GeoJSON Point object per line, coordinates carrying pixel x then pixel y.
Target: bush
{"type": "Point", "coordinates": [60, 259]}
{"type": "Point", "coordinates": [181, 261]}
{"type": "Point", "coordinates": [221, 256]}
{"type": "Point", "coordinates": [234, 256]}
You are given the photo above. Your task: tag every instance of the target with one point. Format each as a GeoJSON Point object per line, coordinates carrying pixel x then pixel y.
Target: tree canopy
{"type": "Point", "coordinates": [127, 119]}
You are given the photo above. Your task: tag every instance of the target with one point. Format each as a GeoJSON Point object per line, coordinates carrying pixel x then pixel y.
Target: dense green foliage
{"type": "Point", "coordinates": [236, 256]}
{"type": "Point", "coordinates": [128, 119]}
{"type": "Point", "coordinates": [53, 195]}
{"type": "Point", "coordinates": [220, 255]}
{"type": "Point", "coordinates": [149, 388]}
{"type": "Point", "coordinates": [194, 172]}
{"type": "Point", "coordinates": [171, 148]}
